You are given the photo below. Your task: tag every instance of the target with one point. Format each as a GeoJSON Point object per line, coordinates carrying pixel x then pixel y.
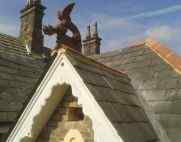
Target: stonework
{"type": "Point", "coordinates": [92, 42]}
{"type": "Point", "coordinates": [31, 26]}
{"type": "Point", "coordinates": [68, 124]}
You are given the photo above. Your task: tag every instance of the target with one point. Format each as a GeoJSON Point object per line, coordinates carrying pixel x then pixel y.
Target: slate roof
{"type": "Point", "coordinates": [156, 75]}
{"type": "Point", "coordinates": [116, 96]}
{"type": "Point", "coordinates": [19, 75]}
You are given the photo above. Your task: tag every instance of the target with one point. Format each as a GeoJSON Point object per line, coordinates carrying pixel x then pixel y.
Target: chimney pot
{"type": "Point", "coordinates": [88, 34]}
{"type": "Point", "coordinates": [95, 30]}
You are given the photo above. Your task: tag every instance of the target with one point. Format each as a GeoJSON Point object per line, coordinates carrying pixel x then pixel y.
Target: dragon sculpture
{"type": "Point", "coordinates": [65, 24]}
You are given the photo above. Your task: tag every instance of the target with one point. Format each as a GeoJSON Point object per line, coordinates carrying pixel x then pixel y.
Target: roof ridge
{"type": "Point", "coordinates": [164, 52]}
{"type": "Point", "coordinates": [11, 38]}
{"type": "Point", "coordinates": [65, 49]}
{"type": "Point", "coordinates": [3, 34]}
{"type": "Point", "coordinates": [167, 54]}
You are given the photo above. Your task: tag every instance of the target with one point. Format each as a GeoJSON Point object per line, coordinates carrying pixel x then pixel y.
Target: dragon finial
{"type": "Point", "coordinates": [65, 24]}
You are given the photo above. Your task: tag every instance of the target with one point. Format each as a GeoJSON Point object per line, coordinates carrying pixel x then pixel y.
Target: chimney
{"type": "Point", "coordinates": [91, 44]}
{"type": "Point", "coordinates": [95, 32]}
{"type": "Point", "coordinates": [88, 34]}
{"type": "Point", "coordinates": [31, 25]}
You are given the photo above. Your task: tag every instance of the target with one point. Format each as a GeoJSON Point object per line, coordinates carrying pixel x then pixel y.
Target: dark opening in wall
{"type": "Point", "coordinates": [75, 114]}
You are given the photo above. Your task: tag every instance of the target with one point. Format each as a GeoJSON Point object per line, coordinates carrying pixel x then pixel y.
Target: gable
{"type": "Point", "coordinates": [56, 75]}
{"type": "Point", "coordinates": [112, 119]}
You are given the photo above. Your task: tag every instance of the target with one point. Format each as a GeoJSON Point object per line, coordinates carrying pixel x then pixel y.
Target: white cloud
{"type": "Point", "coordinates": [125, 32]}
{"type": "Point", "coordinates": [108, 22]}
{"type": "Point", "coordinates": [167, 34]}
{"type": "Point", "coordinates": [50, 41]}
{"type": "Point", "coordinates": [158, 12]}
{"type": "Point", "coordinates": [9, 29]}
{"type": "Point", "coordinates": [112, 44]}
{"type": "Point", "coordinates": [118, 32]}
{"type": "Point", "coordinates": [163, 32]}
{"type": "Point", "coordinates": [119, 43]}
{"type": "Point", "coordinates": [112, 22]}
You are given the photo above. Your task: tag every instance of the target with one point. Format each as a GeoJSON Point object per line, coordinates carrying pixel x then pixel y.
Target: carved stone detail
{"type": "Point", "coordinates": [65, 24]}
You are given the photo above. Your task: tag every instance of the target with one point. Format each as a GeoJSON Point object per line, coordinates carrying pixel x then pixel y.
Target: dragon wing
{"type": "Point", "coordinates": [65, 13]}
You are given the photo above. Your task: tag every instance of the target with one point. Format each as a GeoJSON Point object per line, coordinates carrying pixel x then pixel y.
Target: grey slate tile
{"type": "Point", "coordinates": [154, 79]}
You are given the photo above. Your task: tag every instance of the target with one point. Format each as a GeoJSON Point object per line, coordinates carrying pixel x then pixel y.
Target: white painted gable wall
{"type": "Point", "coordinates": [60, 72]}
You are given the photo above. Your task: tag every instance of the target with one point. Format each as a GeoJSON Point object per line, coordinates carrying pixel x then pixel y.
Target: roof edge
{"type": "Point", "coordinates": [10, 36]}
{"type": "Point", "coordinates": [164, 52]}
{"type": "Point", "coordinates": [65, 49]}
{"type": "Point", "coordinates": [168, 55]}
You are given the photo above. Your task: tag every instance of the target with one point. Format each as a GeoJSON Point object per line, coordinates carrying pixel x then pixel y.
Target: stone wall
{"type": "Point", "coordinates": [67, 124]}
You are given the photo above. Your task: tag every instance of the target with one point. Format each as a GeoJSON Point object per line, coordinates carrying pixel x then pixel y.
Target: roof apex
{"type": "Point", "coordinates": [69, 51]}
{"type": "Point", "coordinates": [167, 54]}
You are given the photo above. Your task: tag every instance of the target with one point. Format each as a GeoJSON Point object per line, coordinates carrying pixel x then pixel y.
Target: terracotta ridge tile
{"type": "Point", "coordinates": [165, 53]}
{"type": "Point", "coordinates": [168, 55]}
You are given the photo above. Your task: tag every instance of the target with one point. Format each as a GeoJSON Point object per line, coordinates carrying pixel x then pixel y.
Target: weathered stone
{"type": "Point", "coordinates": [57, 129]}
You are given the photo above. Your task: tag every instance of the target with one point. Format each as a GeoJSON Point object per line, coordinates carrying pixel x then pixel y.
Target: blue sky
{"type": "Point", "coordinates": [121, 22]}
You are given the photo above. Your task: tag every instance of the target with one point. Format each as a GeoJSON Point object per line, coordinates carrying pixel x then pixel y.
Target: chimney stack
{"type": "Point", "coordinates": [95, 30]}
{"type": "Point", "coordinates": [88, 33]}
{"type": "Point", "coordinates": [31, 25]}
{"type": "Point", "coordinates": [91, 44]}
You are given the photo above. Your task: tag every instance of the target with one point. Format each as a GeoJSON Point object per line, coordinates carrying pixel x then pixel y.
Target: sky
{"type": "Point", "coordinates": [120, 22]}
